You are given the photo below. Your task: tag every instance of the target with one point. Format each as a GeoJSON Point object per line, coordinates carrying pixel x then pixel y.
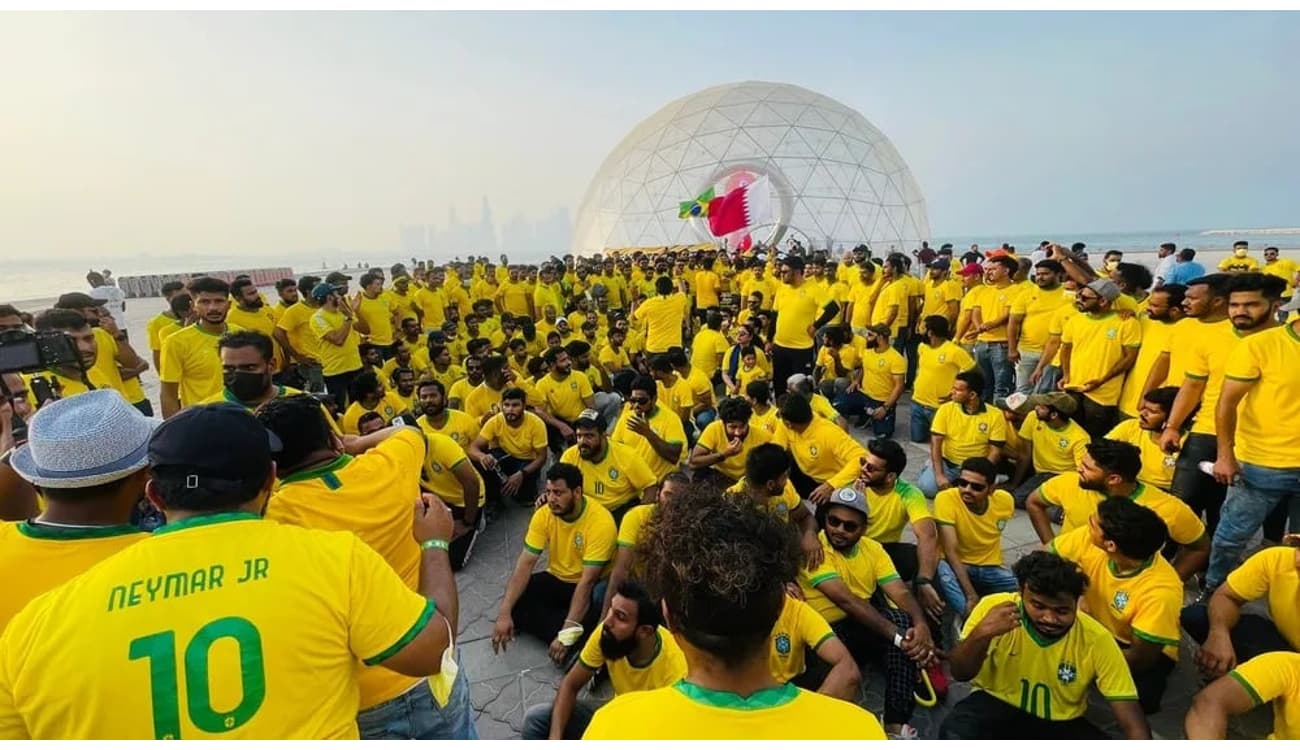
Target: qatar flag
{"type": "Point", "coordinates": [746, 206]}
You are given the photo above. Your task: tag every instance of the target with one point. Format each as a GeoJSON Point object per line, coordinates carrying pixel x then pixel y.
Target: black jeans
{"type": "Point", "coordinates": [544, 605]}
{"type": "Point", "coordinates": [1151, 682]}
{"type": "Point", "coordinates": [1253, 635]}
{"type": "Point", "coordinates": [984, 717]}
{"type": "Point", "coordinates": [508, 465]}
{"type": "Point", "coordinates": [337, 386]}
{"type": "Point", "coordinates": [461, 548]}
{"type": "Point", "coordinates": [1095, 419]}
{"type": "Point", "coordinates": [787, 362]}
{"type": "Point", "coordinates": [1193, 486]}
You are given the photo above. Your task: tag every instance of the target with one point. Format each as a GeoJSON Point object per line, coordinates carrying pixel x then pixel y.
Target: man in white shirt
{"type": "Point", "coordinates": [114, 300]}
{"type": "Point", "coordinates": [1166, 264]}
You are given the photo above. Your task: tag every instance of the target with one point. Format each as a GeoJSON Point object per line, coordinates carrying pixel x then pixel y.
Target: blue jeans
{"type": "Point", "coordinates": [922, 418]}
{"type": "Point", "coordinates": [999, 375]}
{"type": "Point", "coordinates": [1257, 491]}
{"type": "Point", "coordinates": [858, 405]}
{"type": "Point", "coordinates": [1024, 368]}
{"type": "Point", "coordinates": [1047, 383]}
{"type": "Point", "coordinates": [987, 579]}
{"type": "Point", "coordinates": [414, 715]}
{"type": "Point", "coordinates": [926, 482]}
{"type": "Point", "coordinates": [703, 419]}
{"type": "Point", "coordinates": [537, 722]}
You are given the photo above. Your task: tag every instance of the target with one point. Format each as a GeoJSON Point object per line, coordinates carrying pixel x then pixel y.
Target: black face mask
{"type": "Point", "coordinates": [247, 386]}
{"type": "Point", "coordinates": [612, 648]}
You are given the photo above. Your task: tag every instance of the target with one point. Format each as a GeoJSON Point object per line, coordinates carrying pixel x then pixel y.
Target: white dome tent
{"type": "Point", "coordinates": [836, 180]}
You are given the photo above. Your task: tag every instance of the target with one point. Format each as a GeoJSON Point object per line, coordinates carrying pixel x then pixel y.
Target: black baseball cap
{"type": "Point", "coordinates": [215, 446]}
{"type": "Point", "coordinates": [78, 301]}
{"type": "Point", "coordinates": [337, 277]}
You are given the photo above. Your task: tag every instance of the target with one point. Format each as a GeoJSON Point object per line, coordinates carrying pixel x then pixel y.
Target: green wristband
{"type": "Point", "coordinates": [435, 544]}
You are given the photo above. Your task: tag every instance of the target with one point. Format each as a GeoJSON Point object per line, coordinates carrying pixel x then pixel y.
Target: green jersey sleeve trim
{"type": "Point", "coordinates": [425, 615]}
{"type": "Point", "coordinates": [823, 578]}
{"type": "Point", "coordinates": [1241, 680]}
{"type": "Point", "coordinates": [1150, 638]}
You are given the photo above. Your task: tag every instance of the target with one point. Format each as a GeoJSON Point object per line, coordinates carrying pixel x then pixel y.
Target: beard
{"type": "Point", "coordinates": [612, 647]}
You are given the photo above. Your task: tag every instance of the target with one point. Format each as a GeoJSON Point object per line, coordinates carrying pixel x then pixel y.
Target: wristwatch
{"type": "Point", "coordinates": [922, 581]}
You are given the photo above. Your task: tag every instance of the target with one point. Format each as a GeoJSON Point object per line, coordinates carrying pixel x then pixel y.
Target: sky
{"type": "Point", "coordinates": [254, 133]}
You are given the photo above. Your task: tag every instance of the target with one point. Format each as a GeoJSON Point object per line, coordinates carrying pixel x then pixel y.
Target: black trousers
{"type": "Point", "coordinates": [1252, 636]}
{"type": "Point", "coordinates": [460, 548]}
{"type": "Point", "coordinates": [787, 362]}
{"type": "Point", "coordinates": [1193, 486]}
{"type": "Point", "coordinates": [542, 608]}
{"type": "Point", "coordinates": [1151, 682]}
{"type": "Point", "coordinates": [492, 483]}
{"type": "Point", "coordinates": [337, 386]}
{"type": "Point", "coordinates": [1095, 419]}
{"type": "Point", "coordinates": [984, 717]}
{"type": "Point", "coordinates": [867, 646]}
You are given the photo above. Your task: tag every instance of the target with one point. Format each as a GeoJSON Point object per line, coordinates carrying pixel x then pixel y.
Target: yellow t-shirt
{"type": "Point", "coordinates": [629, 530]}
{"type": "Point", "coordinates": [336, 359]}
{"type": "Point", "coordinates": [616, 478]}
{"type": "Point", "coordinates": [1053, 450]}
{"type": "Point", "coordinates": [938, 295]}
{"type": "Point", "coordinates": [968, 435]}
{"type": "Point", "coordinates": [797, 628]}
{"type": "Point", "coordinates": [526, 441]}
{"type": "Point", "coordinates": [440, 462]}
{"type": "Point", "coordinates": [565, 399]}
{"type": "Point", "coordinates": [261, 320]}
{"type": "Point", "coordinates": [893, 297]}
{"type": "Point", "coordinates": [936, 369]}
{"type": "Point", "coordinates": [667, 665]}
{"type": "Point", "coordinates": [1157, 466]}
{"type": "Point", "coordinates": [514, 297]}
{"type": "Point", "coordinates": [1050, 678]}
{"type": "Point", "coordinates": [295, 321]}
{"type": "Point", "coordinates": [190, 359]}
{"type": "Point", "coordinates": [825, 452]}
{"type": "Point", "coordinates": [614, 360]}
{"type": "Point", "coordinates": [1285, 269]}
{"type": "Point", "coordinates": [106, 363]}
{"type": "Point", "coordinates": [664, 423]}
{"type": "Point", "coordinates": [459, 426]}
{"type": "Point", "coordinates": [688, 711]}
{"type": "Point", "coordinates": [1273, 573]}
{"type": "Point", "coordinates": [1269, 361]}
{"type": "Point", "coordinates": [1063, 315]}
{"type": "Point", "coordinates": [1144, 604]}
{"type": "Point", "coordinates": [479, 401]}
{"type": "Point", "coordinates": [1210, 353]}
{"type": "Point", "coordinates": [1184, 525]}
{"type": "Point", "coordinates": [1098, 343]}
{"type": "Point", "coordinates": [797, 310]}
{"type": "Point", "coordinates": [1037, 306]}
{"type": "Point", "coordinates": [778, 505]}
{"type": "Point", "coordinates": [1233, 264]}
{"type": "Point", "coordinates": [862, 569]}
{"type": "Point", "coordinates": [1155, 336]}
{"type": "Point", "coordinates": [35, 558]}
{"type": "Point", "coordinates": [893, 510]}
{"type": "Point", "coordinates": [861, 296]}
{"type": "Point", "coordinates": [770, 423]}
{"type": "Point", "coordinates": [219, 626]}
{"type": "Point", "coordinates": [1275, 678]}
{"type": "Point", "coordinates": [707, 350]}
{"type": "Point", "coordinates": [433, 307]}
{"type": "Point", "coordinates": [449, 377]}
{"type": "Point", "coordinates": [714, 439]}
{"type": "Point", "coordinates": [388, 407]}
{"type": "Point", "coordinates": [571, 545]}
{"type": "Point", "coordinates": [979, 535]}
{"type": "Point", "coordinates": [706, 288]}
{"type": "Point", "coordinates": [994, 303]}
{"type": "Point", "coordinates": [371, 496]}
{"type": "Point", "coordinates": [378, 314]}
{"type": "Point", "coordinates": [879, 370]}
{"type": "Point", "coordinates": [404, 304]}
{"type": "Point", "coordinates": [661, 316]}
{"type": "Point", "coordinates": [154, 326]}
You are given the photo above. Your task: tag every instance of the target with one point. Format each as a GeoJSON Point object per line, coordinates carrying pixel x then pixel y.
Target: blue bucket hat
{"type": "Point", "coordinates": [84, 441]}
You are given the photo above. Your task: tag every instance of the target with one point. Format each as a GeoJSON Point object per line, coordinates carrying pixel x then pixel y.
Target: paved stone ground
{"type": "Point", "coordinates": [505, 685]}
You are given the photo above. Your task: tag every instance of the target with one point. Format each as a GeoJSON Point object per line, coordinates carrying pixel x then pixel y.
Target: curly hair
{"type": "Point", "coordinates": [720, 565]}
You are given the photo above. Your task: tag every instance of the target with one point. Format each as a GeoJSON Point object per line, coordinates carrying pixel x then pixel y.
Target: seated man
{"type": "Point", "coordinates": [1271, 677]}
{"type": "Point", "coordinates": [875, 389]}
{"type": "Point", "coordinates": [1132, 591]}
{"type": "Point", "coordinates": [629, 532]}
{"type": "Point", "coordinates": [1229, 636]}
{"type": "Point", "coordinates": [367, 394]}
{"type": "Point", "coordinates": [971, 517]}
{"type": "Point", "coordinates": [614, 476]}
{"type": "Point", "coordinates": [1144, 432]}
{"type": "Point", "coordinates": [964, 427]}
{"type": "Point", "coordinates": [1110, 469]}
{"type": "Point", "coordinates": [1051, 443]}
{"type": "Point", "coordinates": [722, 566]}
{"type": "Point", "coordinates": [719, 457]}
{"type": "Point", "coordinates": [556, 604]}
{"type": "Point", "coordinates": [632, 644]}
{"type": "Point", "coordinates": [767, 485]}
{"type": "Point", "coordinates": [1031, 657]}
{"type": "Point", "coordinates": [511, 448]}
{"type": "Point", "coordinates": [449, 474]}
{"type": "Point", "coordinates": [842, 589]}
{"type": "Point", "coordinates": [801, 635]}
{"type": "Point", "coordinates": [825, 456]}
{"type": "Point", "coordinates": [653, 432]}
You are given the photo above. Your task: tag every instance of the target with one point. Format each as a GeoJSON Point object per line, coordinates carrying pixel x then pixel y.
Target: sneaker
{"type": "Point", "coordinates": [905, 732]}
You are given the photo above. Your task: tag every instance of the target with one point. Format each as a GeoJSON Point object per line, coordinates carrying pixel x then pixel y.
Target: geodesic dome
{"type": "Point", "coordinates": [835, 179]}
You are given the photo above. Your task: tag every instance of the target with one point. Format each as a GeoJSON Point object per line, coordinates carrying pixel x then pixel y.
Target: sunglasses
{"type": "Point", "coordinates": [839, 523]}
{"type": "Point", "coordinates": [638, 401]}
{"type": "Point", "coordinates": [976, 486]}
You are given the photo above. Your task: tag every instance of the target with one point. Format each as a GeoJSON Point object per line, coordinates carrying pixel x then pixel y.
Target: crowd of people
{"type": "Point", "coordinates": [708, 446]}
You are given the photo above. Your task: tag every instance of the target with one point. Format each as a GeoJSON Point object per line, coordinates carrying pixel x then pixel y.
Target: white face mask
{"type": "Point", "coordinates": [441, 684]}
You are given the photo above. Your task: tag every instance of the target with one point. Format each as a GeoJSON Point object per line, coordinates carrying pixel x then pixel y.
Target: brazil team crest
{"type": "Point", "coordinates": [578, 541]}
{"type": "Point", "coordinates": [1064, 443]}
{"type": "Point", "coordinates": [436, 466]}
{"type": "Point", "coordinates": [1002, 524]}
{"type": "Point", "coordinates": [783, 644]}
{"type": "Point", "coordinates": [984, 426]}
{"type": "Point", "coordinates": [1111, 333]}
{"type": "Point", "coordinates": [812, 451]}
{"type": "Point", "coordinates": [613, 473]}
{"type": "Point", "coordinates": [1120, 600]}
{"type": "Point", "coordinates": [1066, 672]}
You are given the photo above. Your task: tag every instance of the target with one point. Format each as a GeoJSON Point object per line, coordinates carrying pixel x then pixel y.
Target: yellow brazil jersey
{"type": "Point", "coordinates": [514, 297]}
{"type": "Point", "coordinates": [892, 300]}
{"type": "Point", "coordinates": [1284, 269]}
{"type": "Point", "coordinates": [295, 321]}
{"type": "Point", "coordinates": [107, 364]}
{"type": "Point", "coordinates": [1157, 466]}
{"type": "Point", "coordinates": [1057, 451]}
{"type": "Point", "coordinates": [449, 377]}
{"type": "Point", "coordinates": [938, 295]}
{"type": "Point", "coordinates": [797, 628]}
{"type": "Point", "coordinates": [629, 529]}
{"type": "Point", "coordinates": [336, 359]}
{"type": "Point", "coordinates": [1063, 315]}
{"type": "Point", "coordinates": [1050, 678]}
{"type": "Point", "coordinates": [1184, 525]}
{"type": "Point", "coordinates": [614, 360]}
{"type": "Point", "coordinates": [1154, 339]}
{"type": "Point", "coordinates": [879, 369]}
{"type": "Point", "coordinates": [706, 288]}
{"type": "Point", "coordinates": [154, 326]}
{"type": "Point", "coordinates": [526, 441]}
{"type": "Point", "coordinates": [378, 314]}
{"type": "Point", "coordinates": [261, 320]}
{"type": "Point", "coordinates": [892, 510]}
{"type": "Point", "coordinates": [936, 369]}
{"type": "Point", "coordinates": [662, 317]}
{"type": "Point", "coordinates": [220, 626]}
{"type": "Point", "coordinates": [825, 452]}
{"type": "Point", "coordinates": [688, 711]}
{"type": "Point", "coordinates": [564, 399]}
{"type": "Point", "coordinates": [368, 495]}
{"type": "Point", "coordinates": [1274, 678]}
{"type": "Point", "coordinates": [850, 359]}
{"type": "Point", "coordinates": [979, 535]}
{"type": "Point", "coordinates": [994, 303]}
{"type": "Point", "coordinates": [797, 310]}
{"type": "Point", "coordinates": [73, 386]}
{"type": "Point", "coordinates": [663, 423]}
{"type": "Point", "coordinates": [440, 462]}
{"type": "Point", "coordinates": [822, 407]}
{"type": "Point", "coordinates": [36, 557]}
{"type": "Point", "coordinates": [1036, 307]}
{"type": "Point", "coordinates": [190, 359]}
{"type": "Point", "coordinates": [862, 298]}
{"type": "Point", "coordinates": [587, 540]}
{"type": "Point", "coordinates": [402, 304]}
{"type": "Point", "coordinates": [481, 400]}
{"type": "Point", "coordinates": [714, 439]}
{"type": "Point", "coordinates": [433, 307]}
{"type": "Point", "coordinates": [1268, 361]}
{"type": "Point", "coordinates": [1272, 573]}
{"type": "Point", "coordinates": [707, 350]}
{"type": "Point", "coordinates": [770, 423]}
{"type": "Point", "coordinates": [862, 570]}
{"type": "Point", "coordinates": [701, 386]}
{"type": "Point", "coordinates": [388, 407]}
{"type": "Point", "coordinates": [459, 426]}
{"type": "Point", "coordinates": [778, 505]}
{"type": "Point", "coordinates": [1097, 343]}
{"type": "Point", "coordinates": [1179, 346]}
{"type": "Point", "coordinates": [666, 666]}
{"type": "Point", "coordinates": [617, 477]}
{"type": "Point", "coordinates": [968, 435]}
{"type": "Point", "coordinates": [747, 375]}
{"type": "Point", "coordinates": [281, 391]}
{"type": "Point", "coordinates": [1142, 604]}
{"type": "Point", "coordinates": [677, 397]}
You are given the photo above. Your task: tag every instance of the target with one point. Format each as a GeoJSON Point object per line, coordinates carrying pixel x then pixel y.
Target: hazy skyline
{"type": "Point", "coordinates": [249, 133]}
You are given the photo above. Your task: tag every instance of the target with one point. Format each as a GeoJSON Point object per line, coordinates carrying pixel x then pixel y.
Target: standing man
{"type": "Point", "coordinates": [337, 332]}
{"type": "Point", "coordinates": [1283, 268]}
{"type": "Point", "coordinates": [797, 311]}
{"type": "Point", "coordinates": [990, 313]}
{"type": "Point", "coordinates": [250, 313]}
{"type": "Point", "coordinates": [118, 358]}
{"type": "Point", "coordinates": [1165, 266]}
{"type": "Point", "coordinates": [938, 362]}
{"type": "Point", "coordinates": [1098, 347]}
{"type": "Point", "coordinates": [191, 369]}
{"type": "Point", "coordinates": [1164, 308]}
{"type": "Point", "coordinates": [374, 307]}
{"type": "Point", "coordinates": [294, 335]}
{"type": "Point", "coordinates": [162, 319]}
{"type": "Point", "coordinates": [1031, 317]}
{"type": "Point", "coordinates": [662, 316]}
